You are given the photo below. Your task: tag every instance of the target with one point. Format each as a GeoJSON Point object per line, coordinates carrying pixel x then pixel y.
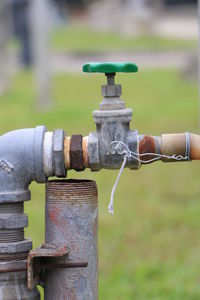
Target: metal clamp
{"type": "Point", "coordinates": [48, 257]}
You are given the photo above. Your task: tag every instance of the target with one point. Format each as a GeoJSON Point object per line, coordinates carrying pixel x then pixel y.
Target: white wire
{"type": "Point", "coordinates": [127, 153]}
{"type": "Point", "coordinates": [110, 206]}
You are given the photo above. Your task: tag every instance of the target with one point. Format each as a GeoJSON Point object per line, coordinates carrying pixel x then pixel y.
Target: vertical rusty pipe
{"type": "Point", "coordinates": [72, 219]}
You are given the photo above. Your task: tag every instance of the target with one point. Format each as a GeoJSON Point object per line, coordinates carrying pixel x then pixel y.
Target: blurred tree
{"type": "Point", "coordinates": [22, 28]}
{"type": "Point", "coordinates": [4, 33]}
{"type": "Point", "coordinates": [40, 12]}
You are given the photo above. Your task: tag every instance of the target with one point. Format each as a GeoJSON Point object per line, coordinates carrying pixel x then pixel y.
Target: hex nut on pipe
{"type": "Point", "coordinates": [11, 221]}
{"type": "Point", "coordinates": [93, 151]}
{"type": "Point", "coordinates": [16, 247]}
{"type": "Point", "coordinates": [58, 153]}
{"type": "Point", "coordinates": [76, 153]}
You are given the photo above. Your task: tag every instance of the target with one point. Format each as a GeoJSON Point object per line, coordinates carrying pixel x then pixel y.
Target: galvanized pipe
{"type": "Point", "coordinates": [13, 286]}
{"type": "Point", "coordinates": [71, 216]}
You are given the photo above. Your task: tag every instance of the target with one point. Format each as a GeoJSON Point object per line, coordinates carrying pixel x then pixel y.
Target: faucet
{"type": "Point", "coordinates": [35, 154]}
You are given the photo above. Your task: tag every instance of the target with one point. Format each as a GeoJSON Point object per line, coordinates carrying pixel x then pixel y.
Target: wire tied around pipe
{"type": "Point", "coordinates": [127, 153]}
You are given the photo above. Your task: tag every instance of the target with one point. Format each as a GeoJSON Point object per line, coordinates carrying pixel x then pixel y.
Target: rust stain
{"type": "Point", "coordinates": [54, 214]}
{"type": "Point", "coordinates": [71, 294]}
{"type": "Point", "coordinates": [147, 145]}
{"type": "Point", "coordinates": [33, 266]}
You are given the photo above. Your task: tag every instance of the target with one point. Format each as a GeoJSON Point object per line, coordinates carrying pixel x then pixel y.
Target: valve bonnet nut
{"type": "Point", "coordinates": [114, 90]}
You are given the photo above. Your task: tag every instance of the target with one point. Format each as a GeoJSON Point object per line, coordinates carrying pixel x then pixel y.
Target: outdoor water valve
{"type": "Point", "coordinates": [71, 207]}
{"type": "Point", "coordinates": [112, 120]}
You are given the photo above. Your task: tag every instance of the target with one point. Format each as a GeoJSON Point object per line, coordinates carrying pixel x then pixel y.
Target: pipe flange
{"type": "Point", "coordinates": [58, 153]}
{"type": "Point", "coordinates": [16, 247]}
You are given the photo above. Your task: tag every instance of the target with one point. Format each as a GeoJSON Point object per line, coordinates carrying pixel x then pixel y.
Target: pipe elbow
{"type": "Point", "coordinates": [21, 162]}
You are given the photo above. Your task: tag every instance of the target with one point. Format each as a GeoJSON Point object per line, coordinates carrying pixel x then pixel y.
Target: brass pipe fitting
{"type": "Point", "coordinates": [67, 152]}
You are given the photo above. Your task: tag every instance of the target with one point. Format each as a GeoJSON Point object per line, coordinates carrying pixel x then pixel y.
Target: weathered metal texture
{"type": "Point", "coordinates": [16, 266]}
{"type": "Point", "coordinates": [112, 125]}
{"type": "Point", "coordinates": [194, 146]}
{"type": "Point", "coordinates": [58, 153]}
{"type": "Point", "coordinates": [25, 155]}
{"type": "Point", "coordinates": [71, 219]}
{"type": "Point", "coordinates": [13, 286]}
{"type": "Point", "coordinates": [12, 223]}
{"type": "Point", "coordinates": [35, 257]}
{"type": "Point", "coordinates": [47, 257]}
{"type": "Point", "coordinates": [76, 153]}
{"type": "Point", "coordinates": [173, 144]}
{"type": "Point", "coordinates": [21, 162]}
{"type": "Point", "coordinates": [176, 143]}
{"type": "Point", "coordinates": [148, 144]}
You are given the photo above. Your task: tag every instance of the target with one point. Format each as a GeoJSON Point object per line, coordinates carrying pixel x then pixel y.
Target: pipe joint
{"type": "Point", "coordinates": [21, 162]}
{"type": "Point", "coordinates": [111, 125]}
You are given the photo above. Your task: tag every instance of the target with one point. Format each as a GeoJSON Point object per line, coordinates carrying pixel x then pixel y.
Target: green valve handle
{"type": "Point", "coordinates": [110, 67]}
{"type": "Point", "coordinates": [111, 92]}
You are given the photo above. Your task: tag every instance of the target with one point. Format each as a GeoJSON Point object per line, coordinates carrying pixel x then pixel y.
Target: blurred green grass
{"type": "Point", "coordinates": [86, 40]}
{"type": "Point", "coordinates": [150, 248]}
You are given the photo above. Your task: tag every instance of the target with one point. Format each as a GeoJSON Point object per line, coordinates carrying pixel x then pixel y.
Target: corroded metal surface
{"type": "Point", "coordinates": [13, 286]}
{"type": "Point", "coordinates": [34, 262]}
{"type": "Point", "coordinates": [71, 219]}
{"type": "Point", "coordinates": [58, 153]}
{"type": "Point", "coordinates": [148, 144]}
{"type": "Point", "coordinates": [76, 153]}
{"type": "Point", "coordinates": [13, 266]}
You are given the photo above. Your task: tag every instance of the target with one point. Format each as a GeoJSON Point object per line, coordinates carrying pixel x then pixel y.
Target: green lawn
{"type": "Point", "coordinates": [76, 39]}
{"type": "Point", "coordinates": [150, 248]}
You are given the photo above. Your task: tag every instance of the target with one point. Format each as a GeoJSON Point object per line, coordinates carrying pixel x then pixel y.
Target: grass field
{"type": "Point", "coordinates": [150, 248]}
{"type": "Point", "coordinates": [86, 40]}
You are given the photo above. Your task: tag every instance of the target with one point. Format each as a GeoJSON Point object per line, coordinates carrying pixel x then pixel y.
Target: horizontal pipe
{"type": "Point", "coordinates": [176, 144]}
{"type": "Point", "coordinates": [169, 145]}
{"type": "Point", "coordinates": [166, 144]}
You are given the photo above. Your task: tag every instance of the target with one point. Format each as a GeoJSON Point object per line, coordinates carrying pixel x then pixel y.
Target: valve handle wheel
{"type": "Point", "coordinates": [110, 67]}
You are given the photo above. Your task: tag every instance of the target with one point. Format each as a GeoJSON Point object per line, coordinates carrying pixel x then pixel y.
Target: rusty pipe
{"type": "Point", "coordinates": [169, 144]}
{"type": "Point", "coordinates": [71, 218]}
{"type": "Point", "coordinates": [166, 144]}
